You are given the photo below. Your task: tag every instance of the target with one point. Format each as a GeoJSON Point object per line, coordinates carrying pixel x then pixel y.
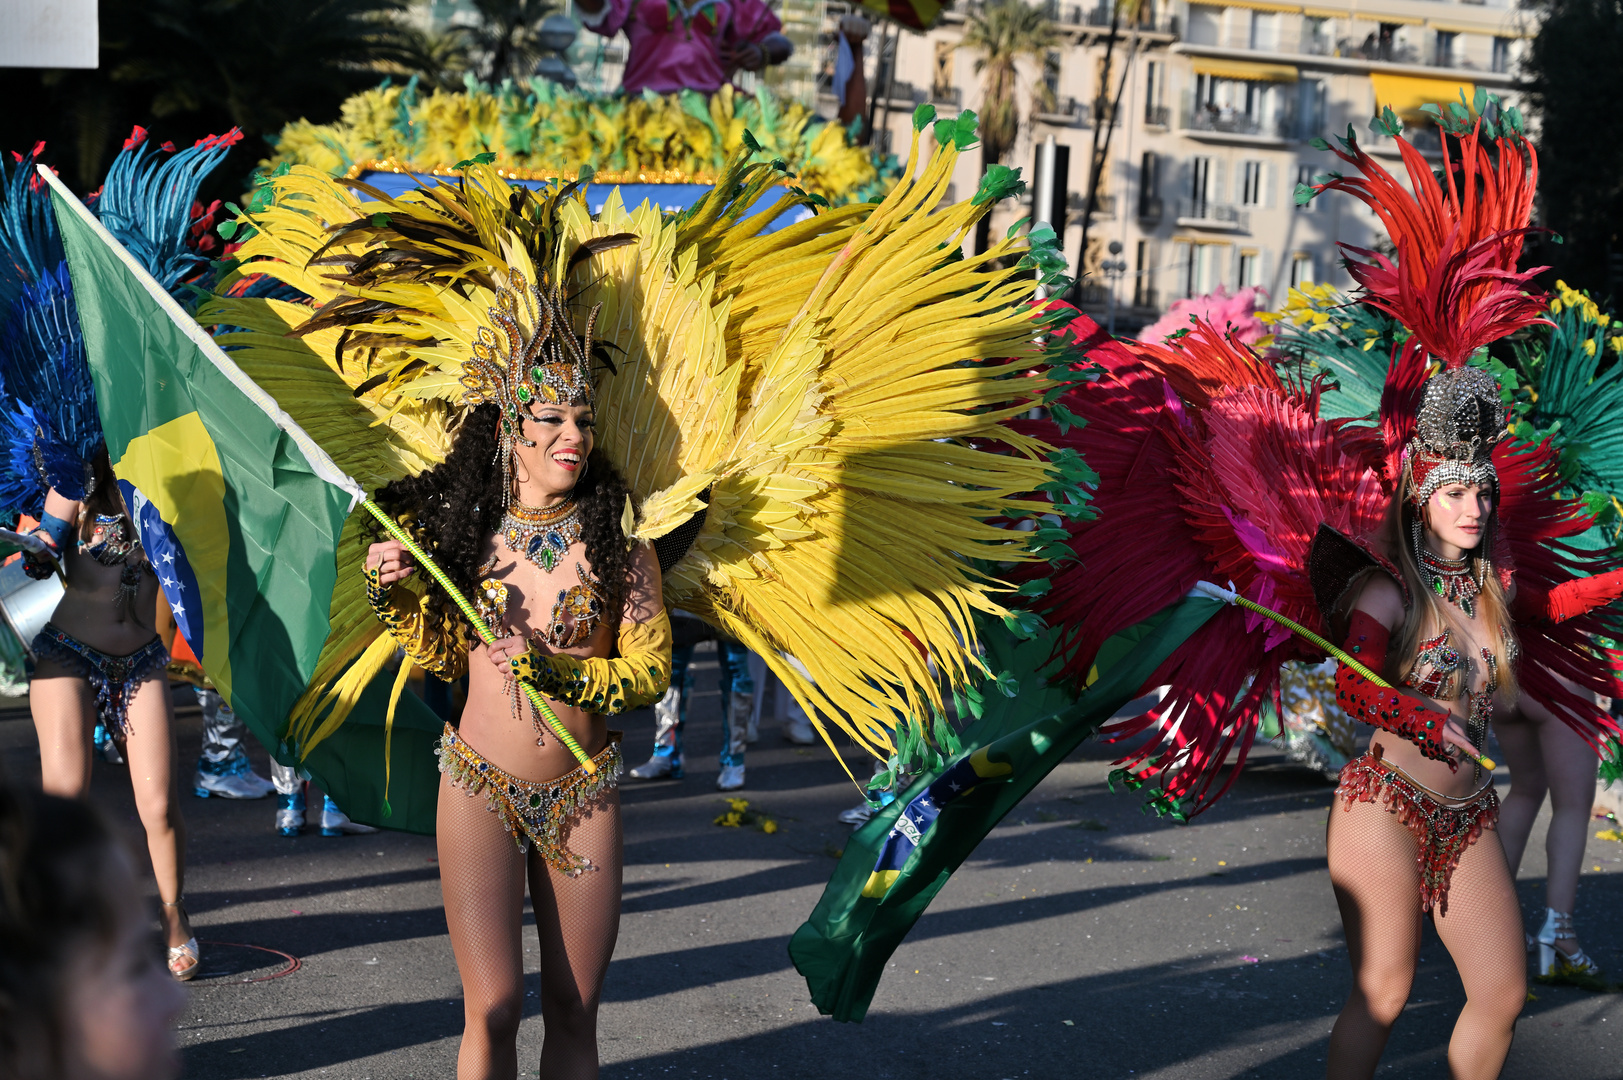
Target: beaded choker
{"type": "Point", "coordinates": [542, 534]}
{"type": "Point", "coordinates": [1450, 579]}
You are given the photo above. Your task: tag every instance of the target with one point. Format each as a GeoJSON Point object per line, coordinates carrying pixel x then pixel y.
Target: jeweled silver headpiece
{"type": "Point", "coordinates": [527, 352]}
{"type": "Point", "coordinates": [1461, 419]}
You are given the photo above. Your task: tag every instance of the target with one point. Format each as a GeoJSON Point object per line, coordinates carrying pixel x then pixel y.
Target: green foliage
{"type": "Point", "coordinates": [1570, 68]}
{"type": "Point", "coordinates": [191, 68]}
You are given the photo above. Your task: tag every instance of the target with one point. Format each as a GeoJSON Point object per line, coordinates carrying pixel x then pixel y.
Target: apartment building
{"type": "Point", "coordinates": [1213, 128]}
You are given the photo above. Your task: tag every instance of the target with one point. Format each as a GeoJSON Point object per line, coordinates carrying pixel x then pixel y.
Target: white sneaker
{"type": "Point", "coordinates": [798, 730]}
{"type": "Point", "coordinates": [241, 785]}
{"type": "Point", "coordinates": [334, 822]}
{"type": "Point", "coordinates": [731, 778]}
{"type": "Point", "coordinates": [658, 767]}
{"type": "Point", "coordinates": [857, 815]}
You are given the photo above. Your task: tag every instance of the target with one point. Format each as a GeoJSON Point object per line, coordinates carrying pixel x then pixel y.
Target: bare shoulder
{"type": "Point", "coordinates": [643, 586]}
{"type": "Point", "coordinates": [1380, 598]}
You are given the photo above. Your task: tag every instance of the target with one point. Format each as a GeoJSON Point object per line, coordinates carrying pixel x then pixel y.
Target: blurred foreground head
{"type": "Point", "coordinates": [83, 990]}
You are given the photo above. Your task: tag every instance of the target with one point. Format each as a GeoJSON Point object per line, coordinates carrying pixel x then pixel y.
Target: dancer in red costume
{"type": "Point", "coordinates": [1432, 545]}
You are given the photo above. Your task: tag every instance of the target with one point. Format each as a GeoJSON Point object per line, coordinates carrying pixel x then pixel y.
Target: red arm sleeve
{"type": "Point", "coordinates": [1384, 707]}
{"type": "Point", "coordinates": [1566, 600]}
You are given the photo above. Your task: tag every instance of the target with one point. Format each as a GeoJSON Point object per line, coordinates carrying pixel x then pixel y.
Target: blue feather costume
{"type": "Point", "coordinates": [45, 387]}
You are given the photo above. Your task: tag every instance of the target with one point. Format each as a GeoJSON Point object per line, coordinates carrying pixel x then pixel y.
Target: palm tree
{"type": "Point", "coordinates": [1004, 33]}
{"type": "Point", "coordinates": [508, 37]}
{"type": "Point", "coordinates": [439, 58]}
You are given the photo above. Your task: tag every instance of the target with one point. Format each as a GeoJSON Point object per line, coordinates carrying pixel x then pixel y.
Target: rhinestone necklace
{"type": "Point", "coordinates": [542, 534]}
{"type": "Point", "coordinates": [1450, 579]}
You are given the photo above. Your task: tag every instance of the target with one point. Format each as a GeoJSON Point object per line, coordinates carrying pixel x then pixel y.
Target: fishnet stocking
{"type": "Point", "coordinates": [482, 877]}
{"type": "Point", "coordinates": [578, 920]}
{"type": "Point", "coordinates": [1377, 884]}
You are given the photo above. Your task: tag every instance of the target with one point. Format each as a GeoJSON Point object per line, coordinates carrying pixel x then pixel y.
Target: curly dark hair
{"type": "Point", "coordinates": [457, 505]}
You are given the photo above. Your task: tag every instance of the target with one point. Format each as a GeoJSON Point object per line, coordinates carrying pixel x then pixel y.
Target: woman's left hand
{"type": "Point", "coordinates": [502, 650]}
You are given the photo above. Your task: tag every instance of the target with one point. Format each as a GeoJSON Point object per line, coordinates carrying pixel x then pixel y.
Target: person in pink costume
{"type": "Point", "coordinates": [675, 46]}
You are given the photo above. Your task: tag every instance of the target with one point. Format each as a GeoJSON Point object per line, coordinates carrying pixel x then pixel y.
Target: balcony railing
{"type": "Point", "coordinates": [1215, 215]}
{"type": "Point", "coordinates": [947, 95]}
{"type": "Point", "coordinates": [1157, 115]}
{"type": "Point", "coordinates": [1392, 52]}
{"type": "Point", "coordinates": [1146, 297]}
{"type": "Point", "coordinates": [905, 92]}
{"type": "Point", "coordinates": [1150, 209]}
{"type": "Point", "coordinates": [1066, 110]}
{"type": "Point", "coordinates": [1231, 122]}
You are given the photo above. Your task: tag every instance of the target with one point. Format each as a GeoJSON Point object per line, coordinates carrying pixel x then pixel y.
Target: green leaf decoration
{"type": "Point", "coordinates": [1035, 587]}
{"type": "Point", "coordinates": [999, 182]}
{"type": "Point", "coordinates": [923, 116]}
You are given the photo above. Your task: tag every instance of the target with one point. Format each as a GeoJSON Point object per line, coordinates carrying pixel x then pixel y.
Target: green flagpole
{"type": "Point", "coordinates": [1230, 596]}
{"type": "Point", "coordinates": [485, 634]}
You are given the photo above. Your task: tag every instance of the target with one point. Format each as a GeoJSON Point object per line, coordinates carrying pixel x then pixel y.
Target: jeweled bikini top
{"type": "Point", "coordinates": [1438, 668]}
{"type": "Point", "coordinates": [112, 542]}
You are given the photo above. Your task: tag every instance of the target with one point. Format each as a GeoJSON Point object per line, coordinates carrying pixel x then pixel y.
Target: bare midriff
{"type": "Point", "coordinates": [90, 609]}
{"type": "Point", "coordinates": [489, 724]}
{"type": "Point", "coordinates": [1470, 636]}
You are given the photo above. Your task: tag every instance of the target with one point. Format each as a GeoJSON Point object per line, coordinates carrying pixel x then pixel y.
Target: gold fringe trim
{"type": "Point", "coordinates": [532, 811]}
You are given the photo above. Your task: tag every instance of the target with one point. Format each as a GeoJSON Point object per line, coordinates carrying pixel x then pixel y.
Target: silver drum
{"type": "Point", "coordinates": [27, 605]}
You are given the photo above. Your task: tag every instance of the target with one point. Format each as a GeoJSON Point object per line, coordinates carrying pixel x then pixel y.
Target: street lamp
{"type": "Point", "coordinates": [1115, 269]}
{"type": "Point", "coordinates": [556, 34]}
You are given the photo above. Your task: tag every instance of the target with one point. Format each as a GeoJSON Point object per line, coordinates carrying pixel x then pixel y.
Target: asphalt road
{"type": "Point", "coordinates": [1083, 939]}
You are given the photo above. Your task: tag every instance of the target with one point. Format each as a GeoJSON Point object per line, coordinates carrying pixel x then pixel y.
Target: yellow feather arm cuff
{"type": "Point", "coordinates": [442, 649]}
{"type": "Point", "coordinates": [639, 676]}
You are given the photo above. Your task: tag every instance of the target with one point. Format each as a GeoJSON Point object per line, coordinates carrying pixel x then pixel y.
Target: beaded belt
{"type": "Point", "coordinates": [1442, 830]}
{"type": "Point", "coordinates": [532, 811]}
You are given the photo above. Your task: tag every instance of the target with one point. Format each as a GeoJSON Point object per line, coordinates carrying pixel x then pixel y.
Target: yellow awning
{"type": "Point", "coordinates": [1243, 71]}
{"type": "Point", "coordinates": [1326, 13]}
{"type": "Point", "coordinates": [1404, 94]}
{"type": "Point", "coordinates": [1388, 17]}
{"type": "Point", "coordinates": [1490, 31]}
{"type": "Point", "coordinates": [1263, 5]}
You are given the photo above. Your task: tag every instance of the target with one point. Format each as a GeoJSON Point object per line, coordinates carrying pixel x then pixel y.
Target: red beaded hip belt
{"type": "Point", "coordinates": [1442, 829]}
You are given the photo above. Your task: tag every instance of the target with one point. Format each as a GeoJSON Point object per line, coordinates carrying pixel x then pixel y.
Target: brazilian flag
{"type": "Point", "coordinates": [240, 513]}
{"type": "Point", "coordinates": [895, 864]}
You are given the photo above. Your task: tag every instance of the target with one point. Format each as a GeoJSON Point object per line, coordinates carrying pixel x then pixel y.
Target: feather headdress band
{"type": "Point", "coordinates": [519, 358]}
{"type": "Point", "coordinates": [1461, 418]}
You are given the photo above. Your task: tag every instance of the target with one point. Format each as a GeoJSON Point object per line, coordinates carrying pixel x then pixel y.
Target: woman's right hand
{"type": "Point", "coordinates": [1453, 733]}
{"type": "Point", "coordinates": [392, 558]}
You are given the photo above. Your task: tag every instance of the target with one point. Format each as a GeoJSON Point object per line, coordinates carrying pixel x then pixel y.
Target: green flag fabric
{"type": "Point", "coordinates": [240, 513]}
{"type": "Point", "coordinates": [895, 864]}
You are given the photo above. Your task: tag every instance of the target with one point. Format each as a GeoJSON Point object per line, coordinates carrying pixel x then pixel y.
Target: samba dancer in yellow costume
{"type": "Point", "coordinates": [587, 421]}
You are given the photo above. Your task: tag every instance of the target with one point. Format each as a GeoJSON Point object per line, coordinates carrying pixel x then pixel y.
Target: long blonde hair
{"type": "Point", "coordinates": [1428, 613]}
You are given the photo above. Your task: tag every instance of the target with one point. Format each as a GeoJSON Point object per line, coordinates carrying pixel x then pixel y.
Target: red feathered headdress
{"type": "Point", "coordinates": [1455, 284]}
